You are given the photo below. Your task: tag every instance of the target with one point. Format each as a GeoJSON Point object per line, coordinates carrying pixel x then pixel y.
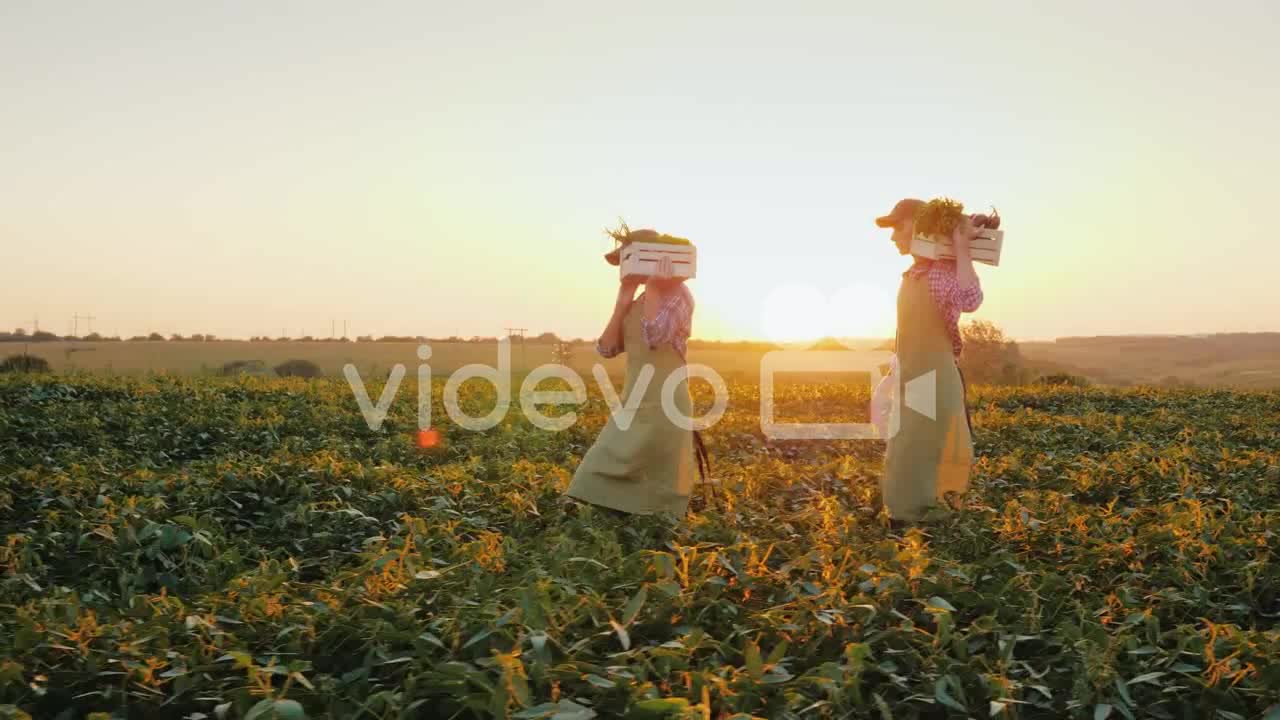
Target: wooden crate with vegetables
{"type": "Point", "coordinates": [938, 218]}
{"type": "Point", "coordinates": [985, 248]}
{"type": "Point", "coordinates": [638, 253]}
{"type": "Point", "coordinates": [641, 258]}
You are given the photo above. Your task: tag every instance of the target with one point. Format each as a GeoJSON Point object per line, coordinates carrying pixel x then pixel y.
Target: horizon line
{"type": "Point", "coordinates": [9, 337]}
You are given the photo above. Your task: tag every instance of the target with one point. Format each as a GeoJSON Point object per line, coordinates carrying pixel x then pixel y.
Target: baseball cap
{"type": "Point", "coordinates": [905, 210]}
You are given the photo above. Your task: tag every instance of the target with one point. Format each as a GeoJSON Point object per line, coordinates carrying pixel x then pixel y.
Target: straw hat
{"type": "Point", "coordinates": [614, 256]}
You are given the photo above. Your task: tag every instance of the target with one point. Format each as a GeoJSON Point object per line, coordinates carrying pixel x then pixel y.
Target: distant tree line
{"type": "Point", "coordinates": [991, 358]}
{"type": "Point", "coordinates": [21, 335]}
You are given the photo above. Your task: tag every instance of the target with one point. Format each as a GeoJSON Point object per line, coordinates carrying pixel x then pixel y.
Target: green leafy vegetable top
{"type": "Point", "coordinates": [624, 235]}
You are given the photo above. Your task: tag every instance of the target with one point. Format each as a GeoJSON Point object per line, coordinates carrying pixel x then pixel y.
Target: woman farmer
{"type": "Point", "coordinates": [645, 466]}
{"type": "Point", "coordinates": [927, 459]}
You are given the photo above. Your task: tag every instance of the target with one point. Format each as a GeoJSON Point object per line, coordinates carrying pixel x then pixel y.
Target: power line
{"type": "Point", "coordinates": [514, 332]}
{"type": "Point", "coordinates": [76, 320]}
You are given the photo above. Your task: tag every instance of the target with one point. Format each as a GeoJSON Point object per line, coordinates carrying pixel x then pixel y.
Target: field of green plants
{"type": "Point", "coordinates": [248, 548]}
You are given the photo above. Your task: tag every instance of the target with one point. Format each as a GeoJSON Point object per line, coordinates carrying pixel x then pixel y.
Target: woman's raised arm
{"type": "Point", "coordinates": [966, 276]}
{"type": "Point", "coordinates": [610, 342]}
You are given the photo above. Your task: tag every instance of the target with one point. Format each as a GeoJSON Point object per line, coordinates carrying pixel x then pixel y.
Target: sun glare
{"type": "Point", "coordinates": [793, 313]}
{"type": "Point", "coordinates": [860, 311]}
{"type": "Point", "coordinates": [798, 313]}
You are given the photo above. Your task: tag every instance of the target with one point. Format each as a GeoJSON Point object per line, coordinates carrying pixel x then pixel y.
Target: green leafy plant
{"type": "Point", "coordinates": [624, 234]}
{"type": "Point", "coordinates": [230, 548]}
{"type": "Point", "coordinates": [237, 367]}
{"type": "Point", "coordinates": [299, 368]}
{"type": "Point", "coordinates": [941, 216]}
{"type": "Point", "coordinates": [24, 363]}
{"type": "Point", "coordinates": [1065, 379]}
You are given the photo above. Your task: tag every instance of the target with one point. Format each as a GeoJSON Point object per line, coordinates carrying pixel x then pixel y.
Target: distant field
{"type": "Point", "coordinates": [1241, 361]}
{"type": "Point", "coordinates": [1234, 360]}
{"type": "Point", "coordinates": [207, 358]}
{"type": "Point", "coordinates": [196, 358]}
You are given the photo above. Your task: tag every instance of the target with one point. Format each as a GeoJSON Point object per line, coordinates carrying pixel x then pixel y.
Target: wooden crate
{"type": "Point", "coordinates": [641, 258]}
{"type": "Point", "coordinates": [985, 248]}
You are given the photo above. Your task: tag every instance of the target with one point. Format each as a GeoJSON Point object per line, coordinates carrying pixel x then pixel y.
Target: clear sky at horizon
{"type": "Point", "coordinates": [430, 168]}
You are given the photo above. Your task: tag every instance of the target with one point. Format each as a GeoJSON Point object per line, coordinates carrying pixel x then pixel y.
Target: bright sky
{"type": "Point", "coordinates": [437, 168]}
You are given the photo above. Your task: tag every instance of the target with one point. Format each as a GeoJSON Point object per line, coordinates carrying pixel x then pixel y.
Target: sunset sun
{"type": "Point", "coordinates": [795, 313]}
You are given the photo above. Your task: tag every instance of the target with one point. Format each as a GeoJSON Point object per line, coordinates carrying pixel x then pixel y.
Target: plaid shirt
{"type": "Point", "coordinates": [948, 296]}
{"type": "Point", "coordinates": [673, 324]}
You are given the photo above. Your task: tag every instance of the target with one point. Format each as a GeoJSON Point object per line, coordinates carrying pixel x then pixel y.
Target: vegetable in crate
{"type": "Point", "coordinates": [940, 216]}
{"type": "Point", "coordinates": [990, 222]}
{"type": "Point", "coordinates": [624, 235]}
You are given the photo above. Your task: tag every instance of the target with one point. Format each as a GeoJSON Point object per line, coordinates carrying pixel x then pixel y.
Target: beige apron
{"type": "Point", "coordinates": [927, 458]}
{"type": "Point", "coordinates": [649, 467]}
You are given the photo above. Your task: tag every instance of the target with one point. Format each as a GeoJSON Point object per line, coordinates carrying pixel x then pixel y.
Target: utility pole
{"type": "Point", "coordinates": [77, 318]}
{"type": "Point", "coordinates": [518, 332]}
{"type": "Point", "coordinates": [344, 329]}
